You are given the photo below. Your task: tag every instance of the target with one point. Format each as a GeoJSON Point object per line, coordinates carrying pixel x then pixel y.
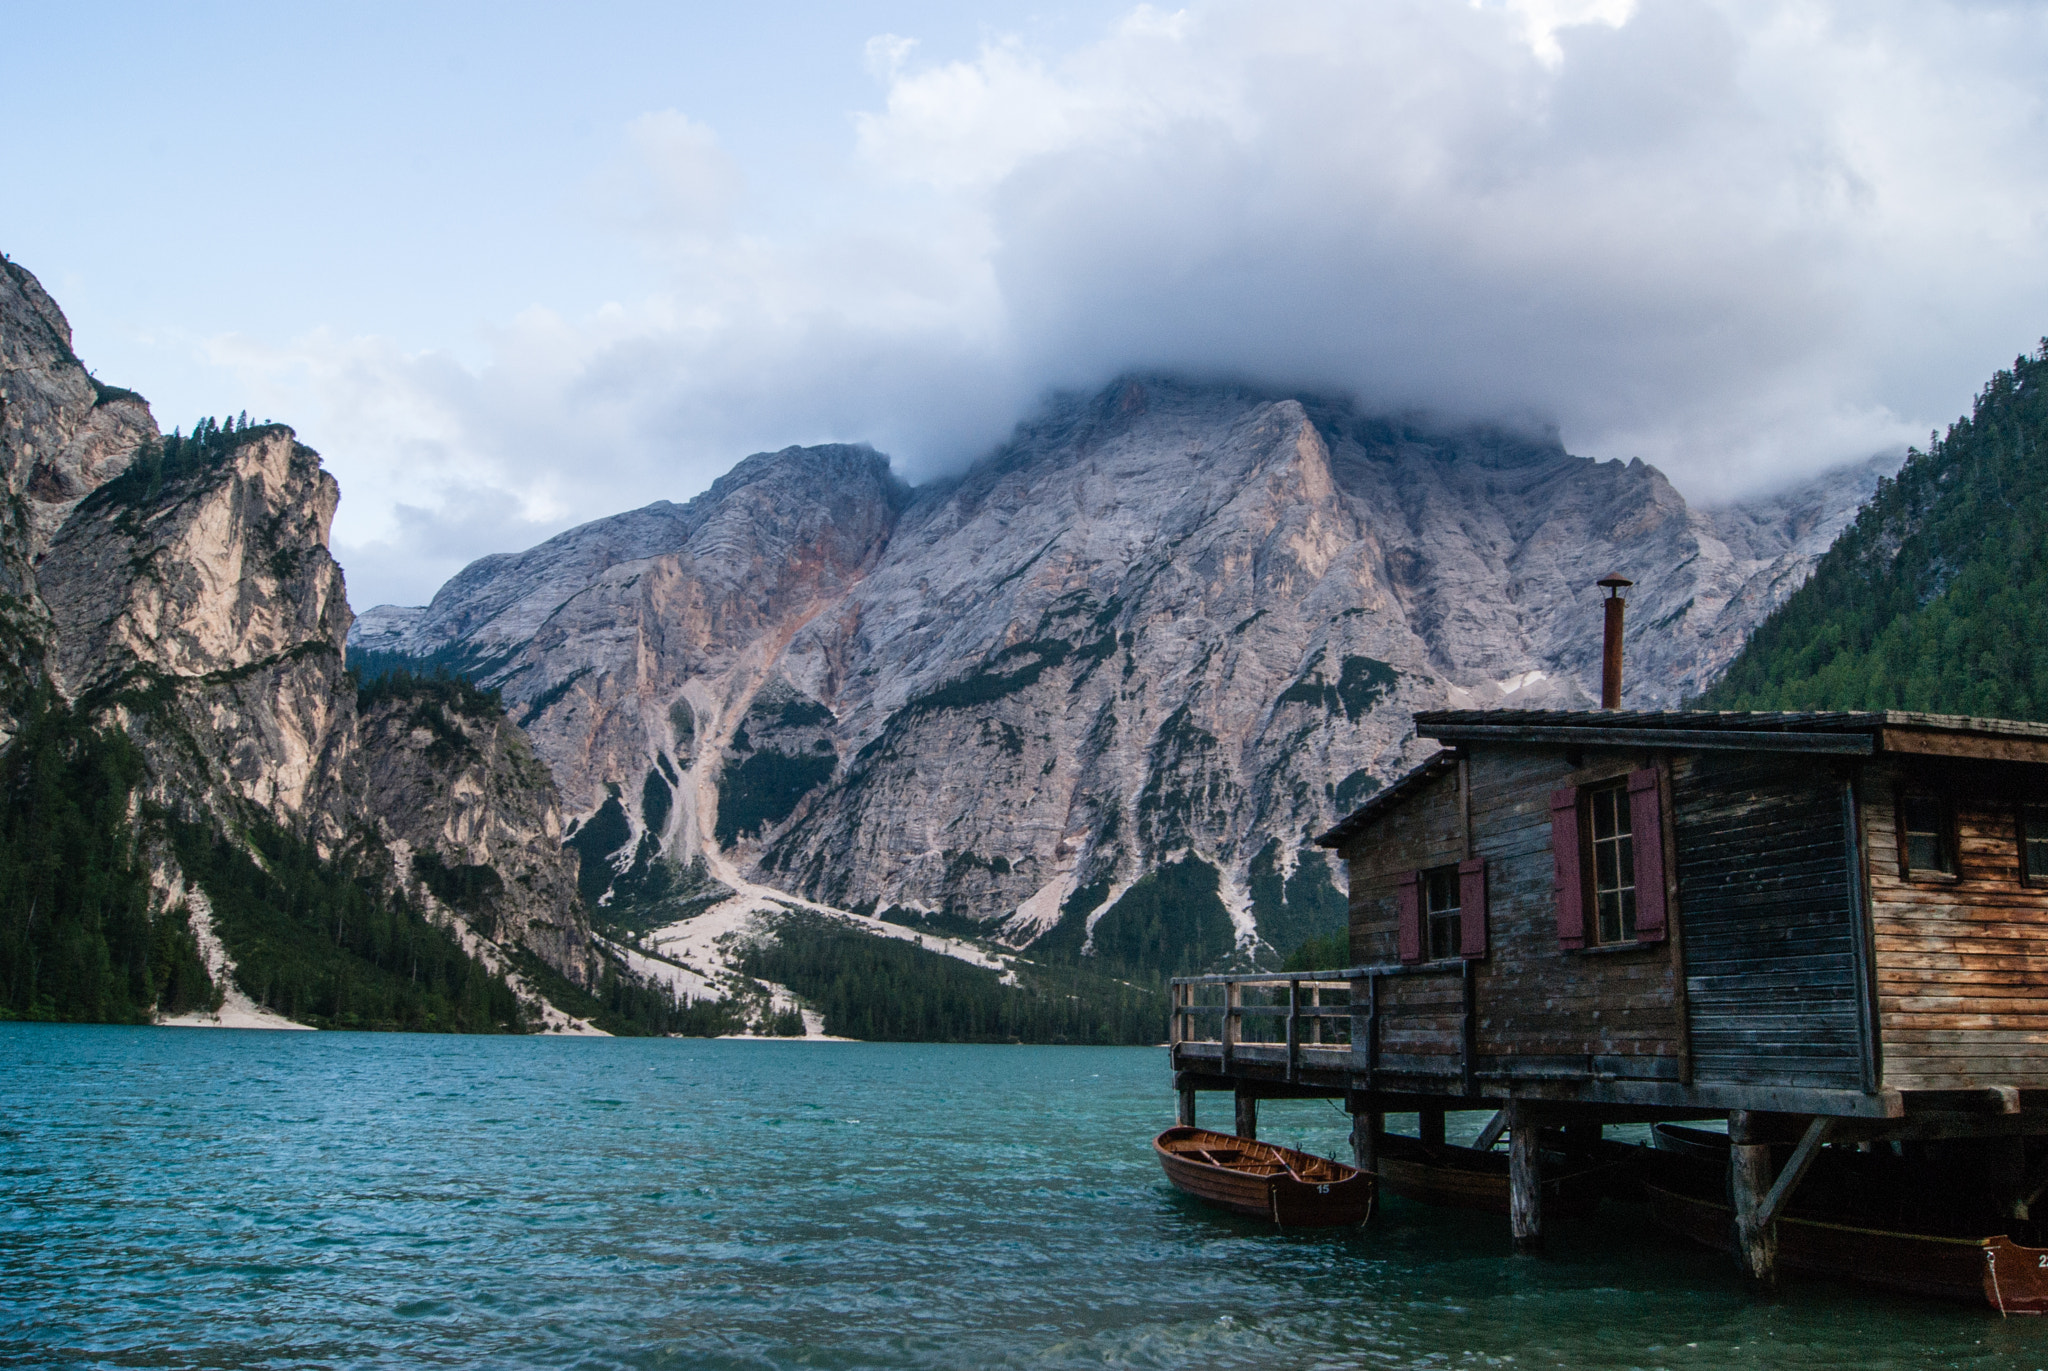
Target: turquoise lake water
{"type": "Point", "coordinates": [207, 1198]}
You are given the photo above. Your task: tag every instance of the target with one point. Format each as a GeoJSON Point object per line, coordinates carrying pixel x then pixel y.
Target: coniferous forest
{"type": "Point", "coordinates": [897, 991]}
{"type": "Point", "coordinates": [1932, 600]}
{"type": "Point", "coordinates": [77, 938]}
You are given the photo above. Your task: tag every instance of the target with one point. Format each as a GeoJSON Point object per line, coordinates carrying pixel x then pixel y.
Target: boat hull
{"type": "Point", "coordinates": [1465, 1178]}
{"type": "Point", "coordinates": [1994, 1271]}
{"type": "Point", "coordinates": [1262, 1181]}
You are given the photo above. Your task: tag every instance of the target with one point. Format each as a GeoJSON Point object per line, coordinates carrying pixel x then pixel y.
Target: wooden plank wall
{"type": "Point", "coordinates": [1962, 967]}
{"type": "Point", "coordinates": [1539, 1002]}
{"type": "Point", "coordinates": [1767, 918]}
{"type": "Point", "coordinates": [1421, 1017]}
{"type": "Point", "coordinates": [1539, 1006]}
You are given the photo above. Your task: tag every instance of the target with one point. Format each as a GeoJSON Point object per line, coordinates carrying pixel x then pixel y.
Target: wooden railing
{"type": "Point", "coordinates": [1304, 1012]}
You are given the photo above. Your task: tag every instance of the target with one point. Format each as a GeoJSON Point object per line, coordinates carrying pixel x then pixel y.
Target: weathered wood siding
{"type": "Point", "coordinates": [1540, 1009]}
{"type": "Point", "coordinates": [1768, 920]}
{"type": "Point", "coordinates": [1421, 1022]}
{"type": "Point", "coordinates": [1962, 967]}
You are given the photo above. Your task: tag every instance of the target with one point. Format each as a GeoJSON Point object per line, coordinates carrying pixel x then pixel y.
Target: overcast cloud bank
{"type": "Point", "coordinates": [1740, 241]}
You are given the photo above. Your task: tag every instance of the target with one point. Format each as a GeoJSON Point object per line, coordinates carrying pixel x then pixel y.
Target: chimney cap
{"type": "Point", "coordinates": [1614, 580]}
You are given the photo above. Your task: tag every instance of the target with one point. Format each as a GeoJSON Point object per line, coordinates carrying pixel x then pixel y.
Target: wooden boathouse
{"type": "Point", "coordinates": [1822, 927]}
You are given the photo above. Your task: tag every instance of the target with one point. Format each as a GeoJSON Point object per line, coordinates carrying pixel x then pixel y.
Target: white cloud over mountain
{"type": "Point", "coordinates": [1738, 240]}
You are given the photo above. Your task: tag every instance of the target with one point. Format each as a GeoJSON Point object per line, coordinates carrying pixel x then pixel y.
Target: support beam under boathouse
{"type": "Point", "coordinates": [1827, 933]}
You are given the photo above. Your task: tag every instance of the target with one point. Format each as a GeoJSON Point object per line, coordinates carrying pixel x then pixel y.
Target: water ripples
{"type": "Point", "coordinates": [174, 1198]}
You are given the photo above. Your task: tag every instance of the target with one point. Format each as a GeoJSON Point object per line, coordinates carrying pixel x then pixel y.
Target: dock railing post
{"type": "Point", "coordinates": [1365, 1007]}
{"type": "Point", "coordinates": [1233, 1001]}
{"type": "Point", "coordinates": [1315, 1023]}
{"type": "Point", "coordinates": [1293, 1031]}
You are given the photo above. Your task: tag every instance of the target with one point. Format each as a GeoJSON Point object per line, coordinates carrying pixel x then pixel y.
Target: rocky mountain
{"type": "Point", "coordinates": [1094, 695]}
{"type": "Point", "coordinates": [238, 828]}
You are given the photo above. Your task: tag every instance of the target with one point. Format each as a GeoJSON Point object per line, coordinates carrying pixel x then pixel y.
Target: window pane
{"type": "Point", "coordinates": [1614, 866]}
{"type": "Point", "coordinates": [2035, 820]}
{"type": "Point", "coordinates": [1443, 936]}
{"type": "Point", "coordinates": [1923, 852]}
{"type": "Point", "coordinates": [1604, 815]}
{"type": "Point", "coordinates": [1927, 848]}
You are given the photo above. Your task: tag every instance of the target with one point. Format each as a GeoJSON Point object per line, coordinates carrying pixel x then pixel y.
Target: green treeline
{"type": "Point", "coordinates": [628, 1007]}
{"type": "Point", "coordinates": [314, 940]}
{"type": "Point", "coordinates": [170, 460]}
{"type": "Point", "coordinates": [77, 941]}
{"type": "Point", "coordinates": [763, 788]}
{"type": "Point", "coordinates": [1932, 600]}
{"type": "Point", "coordinates": [1171, 922]}
{"type": "Point", "coordinates": [1325, 952]}
{"type": "Point", "coordinates": [895, 991]}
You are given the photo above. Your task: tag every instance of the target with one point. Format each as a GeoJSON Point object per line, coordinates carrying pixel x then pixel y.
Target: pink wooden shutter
{"type": "Point", "coordinates": [1646, 826]}
{"type": "Point", "coordinates": [1472, 908]}
{"type": "Point", "coordinates": [1571, 867]}
{"type": "Point", "coordinates": [1408, 914]}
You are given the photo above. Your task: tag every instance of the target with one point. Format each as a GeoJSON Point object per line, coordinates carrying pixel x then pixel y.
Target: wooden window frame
{"type": "Point", "coordinates": [2028, 876]}
{"type": "Point", "coordinates": [1587, 796]}
{"type": "Point", "coordinates": [1571, 812]}
{"type": "Point", "coordinates": [1411, 912]}
{"type": "Point", "coordinates": [1446, 874]}
{"type": "Point", "coordinates": [1943, 795]}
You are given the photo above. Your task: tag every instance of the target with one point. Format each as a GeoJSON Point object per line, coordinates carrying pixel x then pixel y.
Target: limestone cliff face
{"type": "Point", "coordinates": [195, 594]}
{"type": "Point", "coordinates": [473, 820]}
{"type": "Point", "coordinates": [61, 435]}
{"type": "Point", "coordinates": [182, 590]}
{"type": "Point", "coordinates": [1167, 622]}
{"type": "Point", "coordinates": [627, 642]}
{"type": "Point", "coordinates": [193, 600]}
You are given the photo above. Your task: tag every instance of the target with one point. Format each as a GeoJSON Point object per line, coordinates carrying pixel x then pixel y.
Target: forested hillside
{"type": "Point", "coordinates": [1933, 599]}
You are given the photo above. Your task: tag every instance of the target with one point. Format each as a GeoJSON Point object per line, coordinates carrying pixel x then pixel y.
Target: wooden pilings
{"type": "Point", "coordinates": [1429, 1126]}
{"type": "Point", "coordinates": [1757, 1197]}
{"type": "Point", "coordinates": [1247, 1114]}
{"type": "Point", "coordinates": [1525, 1179]}
{"type": "Point", "coordinates": [1749, 1183]}
{"type": "Point", "coordinates": [1366, 1127]}
{"type": "Point", "coordinates": [1184, 1115]}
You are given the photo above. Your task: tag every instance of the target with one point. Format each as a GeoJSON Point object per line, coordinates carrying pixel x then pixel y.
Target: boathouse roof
{"type": "Point", "coordinates": [1839, 732]}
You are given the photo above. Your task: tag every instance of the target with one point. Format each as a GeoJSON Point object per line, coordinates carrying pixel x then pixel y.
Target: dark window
{"type": "Point", "coordinates": [1614, 866]}
{"type": "Point", "coordinates": [1440, 901]}
{"type": "Point", "coordinates": [2034, 843]}
{"type": "Point", "coordinates": [1928, 840]}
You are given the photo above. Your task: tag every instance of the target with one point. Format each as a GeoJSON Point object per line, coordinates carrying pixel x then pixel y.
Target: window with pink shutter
{"type": "Point", "coordinates": [1408, 915]}
{"type": "Point", "coordinates": [1646, 822]}
{"type": "Point", "coordinates": [1472, 912]}
{"type": "Point", "coordinates": [1570, 867]}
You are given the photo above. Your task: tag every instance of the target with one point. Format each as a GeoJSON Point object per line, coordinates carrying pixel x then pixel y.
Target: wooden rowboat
{"type": "Point", "coordinates": [1466, 1178]}
{"type": "Point", "coordinates": [1293, 1189]}
{"type": "Point", "coordinates": [1688, 1198]}
{"type": "Point", "coordinates": [1994, 1271]}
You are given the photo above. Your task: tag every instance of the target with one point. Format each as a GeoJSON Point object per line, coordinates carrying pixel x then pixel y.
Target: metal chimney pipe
{"type": "Point", "coordinates": [1610, 656]}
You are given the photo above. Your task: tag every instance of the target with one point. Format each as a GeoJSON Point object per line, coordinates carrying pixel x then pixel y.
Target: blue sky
{"type": "Point", "coordinates": [510, 267]}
